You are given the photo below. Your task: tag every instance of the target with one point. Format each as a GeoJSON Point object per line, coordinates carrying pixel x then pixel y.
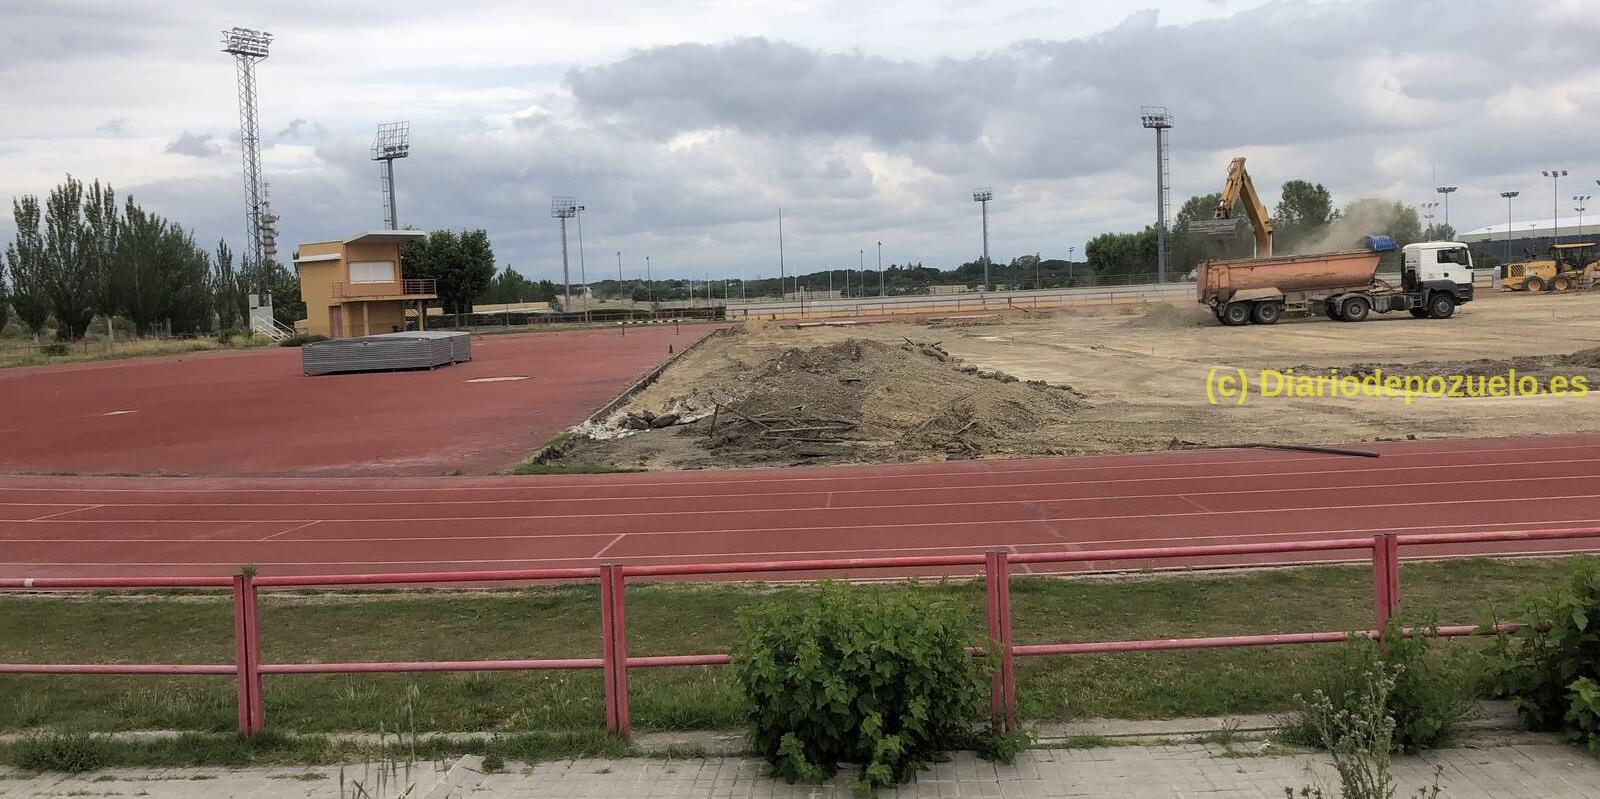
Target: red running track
{"type": "Point", "coordinates": [254, 413]}
{"type": "Point", "coordinates": [153, 526]}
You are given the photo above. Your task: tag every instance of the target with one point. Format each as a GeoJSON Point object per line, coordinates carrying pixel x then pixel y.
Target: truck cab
{"type": "Point", "coordinates": [1436, 274]}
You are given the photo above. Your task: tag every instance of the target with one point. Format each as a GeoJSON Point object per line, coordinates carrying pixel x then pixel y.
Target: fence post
{"type": "Point", "coordinates": [241, 656]}
{"type": "Point", "coordinates": [608, 657]}
{"type": "Point", "coordinates": [1386, 577]}
{"type": "Point", "coordinates": [252, 624]}
{"type": "Point", "coordinates": [1002, 687]}
{"type": "Point", "coordinates": [619, 650]}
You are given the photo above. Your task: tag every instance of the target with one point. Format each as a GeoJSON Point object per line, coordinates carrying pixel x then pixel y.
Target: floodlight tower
{"type": "Point", "coordinates": [1446, 191]}
{"type": "Point", "coordinates": [982, 195]}
{"type": "Point", "coordinates": [1509, 195]}
{"type": "Point", "coordinates": [1555, 176]}
{"type": "Point", "coordinates": [564, 208]}
{"type": "Point", "coordinates": [1582, 201]}
{"type": "Point", "coordinates": [249, 47]}
{"type": "Point", "coordinates": [393, 141]}
{"type": "Point", "coordinates": [1156, 118]}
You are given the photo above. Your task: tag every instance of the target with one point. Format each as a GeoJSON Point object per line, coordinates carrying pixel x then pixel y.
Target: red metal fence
{"type": "Point", "coordinates": [615, 663]}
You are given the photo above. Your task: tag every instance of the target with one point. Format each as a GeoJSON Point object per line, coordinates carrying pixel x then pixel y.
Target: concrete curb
{"type": "Point", "coordinates": [467, 767]}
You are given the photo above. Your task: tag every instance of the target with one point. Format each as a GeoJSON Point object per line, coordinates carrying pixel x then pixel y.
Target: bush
{"type": "Point", "coordinates": [301, 339]}
{"type": "Point", "coordinates": [1432, 691]}
{"type": "Point", "coordinates": [872, 676]}
{"type": "Point", "coordinates": [1550, 667]}
{"type": "Point", "coordinates": [55, 349]}
{"type": "Point", "coordinates": [73, 753]}
{"type": "Point", "coordinates": [233, 334]}
{"type": "Point", "coordinates": [1357, 729]}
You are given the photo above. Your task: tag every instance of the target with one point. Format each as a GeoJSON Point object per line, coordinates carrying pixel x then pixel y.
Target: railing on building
{"type": "Point", "coordinates": [416, 285]}
{"type": "Point", "coordinates": [614, 663]}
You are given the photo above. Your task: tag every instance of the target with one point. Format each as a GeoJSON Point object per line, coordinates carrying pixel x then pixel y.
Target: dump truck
{"type": "Point", "coordinates": [1435, 278]}
{"type": "Point", "coordinates": [1568, 266]}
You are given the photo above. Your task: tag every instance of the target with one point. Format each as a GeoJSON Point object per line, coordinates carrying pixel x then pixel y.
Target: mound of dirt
{"type": "Point", "coordinates": [1164, 316]}
{"type": "Point", "coordinates": [1583, 362]}
{"type": "Point", "coordinates": [852, 401]}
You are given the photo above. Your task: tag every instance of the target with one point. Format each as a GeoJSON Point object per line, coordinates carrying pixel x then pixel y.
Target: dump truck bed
{"type": "Point", "coordinates": [1330, 271]}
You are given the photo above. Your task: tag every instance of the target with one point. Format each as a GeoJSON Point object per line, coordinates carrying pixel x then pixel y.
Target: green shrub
{"type": "Point", "coordinates": [301, 339]}
{"type": "Point", "coordinates": [55, 349]}
{"type": "Point", "coordinates": [871, 676]}
{"type": "Point", "coordinates": [74, 753]}
{"type": "Point", "coordinates": [1550, 667]}
{"type": "Point", "coordinates": [1432, 691]}
{"type": "Point", "coordinates": [233, 334]}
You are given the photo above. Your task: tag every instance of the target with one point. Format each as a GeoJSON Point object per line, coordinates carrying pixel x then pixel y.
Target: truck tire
{"type": "Point", "coordinates": [1441, 305]}
{"type": "Point", "coordinates": [1420, 313]}
{"type": "Point", "coordinates": [1266, 313]}
{"type": "Point", "coordinates": [1534, 283]}
{"type": "Point", "coordinates": [1560, 284]}
{"type": "Point", "coordinates": [1330, 309]}
{"type": "Point", "coordinates": [1355, 309]}
{"type": "Point", "coordinates": [1235, 313]}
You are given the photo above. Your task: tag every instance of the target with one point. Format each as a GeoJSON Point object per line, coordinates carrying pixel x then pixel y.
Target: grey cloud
{"type": "Point", "coordinates": [198, 145]}
{"type": "Point", "coordinates": [779, 88]}
{"type": "Point", "coordinates": [118, 125]}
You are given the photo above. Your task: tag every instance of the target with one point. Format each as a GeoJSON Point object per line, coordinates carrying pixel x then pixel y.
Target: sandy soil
{"type": "Point", "coordinates": [1142, 374]}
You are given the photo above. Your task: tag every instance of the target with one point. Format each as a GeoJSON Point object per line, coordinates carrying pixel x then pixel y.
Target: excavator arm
{"type": "Point", "coordinates": [1225, 225]}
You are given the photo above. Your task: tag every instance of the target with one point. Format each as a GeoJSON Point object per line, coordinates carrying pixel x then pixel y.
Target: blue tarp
{"type": "Point", "coordinates": [1381, 243]}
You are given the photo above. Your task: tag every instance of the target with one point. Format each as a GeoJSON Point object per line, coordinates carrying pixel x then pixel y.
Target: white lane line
{"type": "Point", "coordinates": [62, 513]}
{"type": "Point", "coordinates": [524, 483]}
{"type": "Point", "coordinates": [849, 509]}
{"type": "Point", "coordinates": [290, 530]}
{"type": "Point", "coordinates": [608, 546]}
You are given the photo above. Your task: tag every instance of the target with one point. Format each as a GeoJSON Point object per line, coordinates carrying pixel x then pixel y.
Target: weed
{"type": "Point", "coordinates": [73, 753]}
{"type": "Point", "coordinates": [493, 763]}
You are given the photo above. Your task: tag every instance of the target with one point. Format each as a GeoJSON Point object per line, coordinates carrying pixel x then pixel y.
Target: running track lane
{"type": "Point", "coordinates": [152, 526]}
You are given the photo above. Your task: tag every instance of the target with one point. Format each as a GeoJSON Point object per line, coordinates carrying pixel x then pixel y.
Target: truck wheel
{"type": "Point", "coordinates": [1441, 305]}
{"type": "Point", "coordinates": [1235, 314]}
{"type": "Point", "coordinates": [1534, 283]}
{"type": "Point", "coordinates": [1420, 313]}
{"type": "Point", "coordinates": [1560, 284]}
{"type": "Point", "coordinates": [1330, 309]}
{"type": "Point", "coordinates": [1355, 309]}
{"type": "Point", "coordinates": [1266, 313]}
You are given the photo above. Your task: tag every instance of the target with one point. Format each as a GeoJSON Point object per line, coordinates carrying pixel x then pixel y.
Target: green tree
{"type": "Point", "coordinates": [509, 286]}
{"type": "Point", "coordinates": [1439, 232]}
{"type": "Point", "coordinates": [227, 291]}
{"type": "Point", "coordinates": [1304, 211]}
{"type": "Point", "coordinates": [462, 264]}
{"type": "Point", "coordinates": [1121, 253]}
{"type": "Point", "coordinates": [25, 261]}
{"type": "Point", "coordinates": [288, 306]}
{"type": "Point", "coordinates": [103, 227]}
{"type": "Point", "coordinates": [69, 271]}
{"type": "Point", "coordinates": [141, 249]}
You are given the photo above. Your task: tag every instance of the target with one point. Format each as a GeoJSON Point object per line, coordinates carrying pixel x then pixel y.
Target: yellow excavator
{"type": "Point", "coordinates": [1224, 225]}
{"type": "Point", "coordinates": [1568, 266]}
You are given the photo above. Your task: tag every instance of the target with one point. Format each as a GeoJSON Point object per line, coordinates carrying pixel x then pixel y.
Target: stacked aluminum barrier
{"type": "Point", "coordinates": [425, 349]}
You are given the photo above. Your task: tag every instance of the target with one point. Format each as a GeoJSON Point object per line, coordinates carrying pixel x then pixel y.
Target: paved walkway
{"type": "Point", "coordinates": [1528, 766]}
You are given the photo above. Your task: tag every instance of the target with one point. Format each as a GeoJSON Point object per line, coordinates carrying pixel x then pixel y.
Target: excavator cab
{"type": "Point", "coordinates": [1224, 226]}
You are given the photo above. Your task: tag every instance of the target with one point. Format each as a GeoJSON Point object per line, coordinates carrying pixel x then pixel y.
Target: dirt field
{"type": "Point", "coordinates": [1118, 380]}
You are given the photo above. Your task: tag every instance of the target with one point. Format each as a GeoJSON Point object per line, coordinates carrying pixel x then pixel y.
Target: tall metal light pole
{"type": "Point", "coordinates": [781, 287]}
{"type": "Point", "coordinates": [861, 265]}
{"type": "Point", "coordinates": [564, 208]}
{"type": "Point", "coordinates": [1427, 213]}
{"type": "Point", "coordinates": [1555, 176]}
{"type": "Point", "coordinates": [393, 141]}
{"type": "Point", "coordinates": [982, 195]}
{"type": "Point", "coordinates": [1446, 191]}
{"type": "Point", "coordinates": [880, 271]}
{"type": "Point", "coordinates": [583, 271]}
{"type": "Point", "coordinates": [1070, 250]}
{"type": "Point", "coordinates": [1156, 118]}
{"type": "Point", "coordinates": [248, 48]}
{"type": "Point", "coordinates": [1581, 200]}
{"type": "Point", "coordinates": [1509, 195]}
{"type": "Point", "coordinates": [650, 285]}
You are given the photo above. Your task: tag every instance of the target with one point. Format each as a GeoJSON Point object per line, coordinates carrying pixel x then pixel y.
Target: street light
{"type": "Point", "coordinates": [880, 270]}
{"type": "Point", "coordinates": [1509, 195]}
{"type": "Point", "coordinates": [1070, 250]}
{"type": "Point", "coordinates": [1446, 191]}
{"type": "Point", "coordinates": [1581, 199]}
{"type": "Point", "coordinates": [861, 266]}
{"type": "Point", "coordinates": [982, 195]}
{"type": "Point", "coordinates": [1555, 176]}
{"type": "Point", "coordinates": [1427, 213]}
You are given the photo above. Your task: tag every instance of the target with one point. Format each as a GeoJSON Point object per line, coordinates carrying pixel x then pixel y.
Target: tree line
{"type": "Point", "coordinates": [80, 255]}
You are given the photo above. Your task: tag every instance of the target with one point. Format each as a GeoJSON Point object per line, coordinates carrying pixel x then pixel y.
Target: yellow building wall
{"type": "Point", "coordinates": [316, 289]}
{"type": "Point", "coordinates": [382, 316]}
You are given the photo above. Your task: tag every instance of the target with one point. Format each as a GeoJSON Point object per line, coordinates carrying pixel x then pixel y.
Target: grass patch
{"type": "Point", "coordinates": [13, 355]}
{"type": "Point", "coordinates": [563, 621]}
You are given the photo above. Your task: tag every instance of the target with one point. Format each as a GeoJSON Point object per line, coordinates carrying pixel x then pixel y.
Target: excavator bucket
{"type": "Point", "coordinates": [1215, 229]}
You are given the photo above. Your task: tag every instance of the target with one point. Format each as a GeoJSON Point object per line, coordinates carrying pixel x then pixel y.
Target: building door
{"type": "Point", "coordinates": [335, 321]}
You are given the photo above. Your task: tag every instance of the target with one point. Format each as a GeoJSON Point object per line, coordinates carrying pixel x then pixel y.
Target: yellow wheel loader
{"type": "Point", "coordinates": [1568, 267]}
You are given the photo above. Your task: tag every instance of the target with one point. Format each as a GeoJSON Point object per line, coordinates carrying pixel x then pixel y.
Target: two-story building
{"type": "Point", "coordinates": [357, 287]}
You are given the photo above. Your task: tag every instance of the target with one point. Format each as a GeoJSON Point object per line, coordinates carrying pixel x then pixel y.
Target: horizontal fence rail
{"type": "Point", "coordinates": [614, 662]}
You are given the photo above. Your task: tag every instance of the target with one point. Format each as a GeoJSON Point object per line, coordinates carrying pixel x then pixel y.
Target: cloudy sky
{"type": "Point", "coordinates": [683, 125]}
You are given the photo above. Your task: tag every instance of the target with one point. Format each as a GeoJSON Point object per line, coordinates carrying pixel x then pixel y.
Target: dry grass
{"type": "Point", "coordinates": [26, 353]}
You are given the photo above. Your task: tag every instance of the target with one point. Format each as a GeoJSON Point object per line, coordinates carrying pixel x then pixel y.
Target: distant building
{"type": "Point", "coordinates": [356, 287]}
{"type": "Point", "coordinates": [1529, 238]}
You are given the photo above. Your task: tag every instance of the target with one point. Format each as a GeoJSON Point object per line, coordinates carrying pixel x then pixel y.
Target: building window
{"type": "Point", "coordinates": [372, 272]}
